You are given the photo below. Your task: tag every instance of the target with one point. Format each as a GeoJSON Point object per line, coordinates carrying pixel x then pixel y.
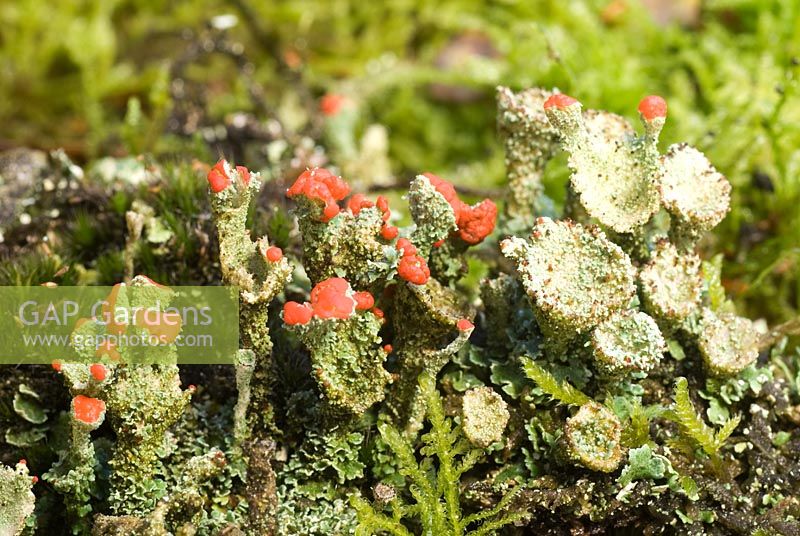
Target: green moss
{"type": "Point", "coordinates": [437, 505]}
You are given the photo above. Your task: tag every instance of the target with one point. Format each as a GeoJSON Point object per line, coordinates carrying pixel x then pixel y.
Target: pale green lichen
{"type": "Point", "coordinates": [728, 343]}
{"type": "Point", "coordinates": [593, 437]}
{"type": "Point", "coordinates": [433, 216]}
{"type": "Point", "coordinates": [185, 502]}
{"type": "Point", "coordinates": [613, 171]}
{"type": "Point", "coordinates": [426, 338]}
{"type": "Point", "coordinates": [530, 142]}
{"type": "Point", "coordinates": [347, 246]}
{"type": "Point", "coordinates": [245, 365]}
{"type": "Point", "coordinates": [695, 194]}
{"type": "Point", "coordinates": [246, 265]}
{"type": "Point", "coordinates": [627, 342]}
{"type": "Point", "coordinates": [347, 361]}
{"type": "Point", "coordinates": [73, 475]}
{"type": "Point", "coordinates": [670, 284]}
{"type": "Point", "coordinates": [484, 416]}
{"type": "Point", "coordinates": [575, 277]}
{"type": "Point", "coordinates": [17, 501]}
{"type": "Point", "coordinates": [503, 300]}
{"type": "Point", "coordinates": [180, 511]}
{"type": "Point", "coordinates": [143, 402]}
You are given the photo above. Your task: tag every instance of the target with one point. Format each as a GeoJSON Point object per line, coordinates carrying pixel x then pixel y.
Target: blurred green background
{"type": "Point", "coordinates": [115, 78]}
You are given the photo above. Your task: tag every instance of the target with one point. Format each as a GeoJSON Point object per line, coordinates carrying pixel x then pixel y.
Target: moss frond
{"type": "Point", "coordinates": [637, 433]}
{"type": "Point", "coordinates": [560, 391]}
{"type": "Point", "coordinates": [435, 487]}
{"type": "Point", "coordinates": [372, 522]}
{"type": "Point", "coordinates": [693, 425]}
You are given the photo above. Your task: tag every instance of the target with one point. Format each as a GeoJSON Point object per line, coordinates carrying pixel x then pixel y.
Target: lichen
{"type": "Point", "coordinates": [16, 498]}
{"type": "Point", "coordinates": [627, 342]}
{"type": "Point", "coordinates": [670, 284]}
{"type": "Point", "coordinates": [484, 416]}
{"type": "Point", "coordinates": [530, 142]}
{"type": "Point", "coordinates": [604, 150]}
{"type": "Point", "coordinates": [593, 438]}
{"type": "Point", "coordinates": [696, 195]}
{"type": "Point", "coordinates": [575, 277]}
{"type": "Point", "coordinates": [728, 343]}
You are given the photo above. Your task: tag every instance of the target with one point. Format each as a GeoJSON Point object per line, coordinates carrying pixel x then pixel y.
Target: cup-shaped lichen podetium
{"type": "Point", "coordinates": [727, 343]}
{"type": "Point", "coordinates": [593, 437]}
{"type": "Point", "coordinates": [430, 327]}
{"type": "Point", "coordinates": [530, 142]}
{"type": "Point", "coordinates": [484, 416]}
{"type": "Point", "coordinates": [347, 361]}
{"type": "Point", "coordinates": [340, 329]}
{"type": "Point", "coordinates": [17, 501]}
{"type": "Point", "coordinates": [627, 342]}
{"type": "Point", "coordinates": [670, 284]}
{"type": "Point", "coordinates": [575, 277]}
{"type": "Point", "coordinates": [613, 170]}
{"type": "Point", "coordinates": [695, 194]}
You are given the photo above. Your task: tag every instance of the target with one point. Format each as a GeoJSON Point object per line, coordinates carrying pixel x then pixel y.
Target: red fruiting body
{"type": "Point", "coordinates": [23, 461]}
{"type": "Point", "coordinates": [357, 202]}
{"type": "Point", "coordinates": [218, 180]}
{"type": "Point", "coordinates": [364, 301]}
{"type": "Point", "coordinates": [87, 409]}
{"type": "Point", "coordinates": [407, 247]}
{"type": "Point", "coordinates": [389, 232]}
{"type": "Point", "coordinates": [244, 173]}
{"type": "Point", "coordinates": [296, 313]}
{"type": "Point", "coordinates": [274, 254]}
{"type": "Point", "coordinates": [387, 348]}
{"type": "Point", "coordinates": [560, 101]}
{"type": "Point", "coordinates": [476, 223]}
{"type": "Point", "coordinates": [322, 185]}
{"type": "Point", "coordinates": [413, 269]}
{"type": "Point", "coordinates": [464, 324]}
{"type": "Point", "coordinates": [35, 479]}
{"type": "Point", "coordinates": [98, 372]}
{"type": "Point", "coordinates": [331, 104]}
{"type": "Point", "coordinates": [192, 387]}
{"type": "Point", "coordinates": [382, 203]}
{"type": "Point", "coordinates": [377, 312]}
{"type": "Point", "coordinates": [439, 243]}
{"type": "Point", "coordinates": [330, 299]}
{"type": "Point", "coordinates": [652, 107]}
{"type": "Point", "coordinates": [448, 192]}
{"type": "Point", "coordinates": [56, 364]}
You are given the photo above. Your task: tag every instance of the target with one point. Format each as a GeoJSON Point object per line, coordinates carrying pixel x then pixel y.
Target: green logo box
{"type": "Point", "coordinates": [146, 324]}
